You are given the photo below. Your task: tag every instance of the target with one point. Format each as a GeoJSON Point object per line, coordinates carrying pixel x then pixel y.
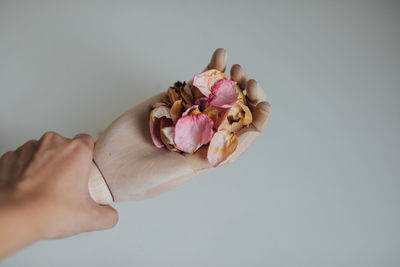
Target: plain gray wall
{"type": "Point", "coordinates": [319, 188]}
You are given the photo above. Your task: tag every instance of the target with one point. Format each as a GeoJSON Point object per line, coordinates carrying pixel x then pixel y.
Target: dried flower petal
{"type": "Point", "coordinates": [176, 110]}
{"type": "Point", "coordinates": [222, 145]}
{"type": "Point", "coordinates": [196, 92]}
{"type": "Point", "coordinates": [193, 131]}
{"type": "Point", "coordinates": [192, 111]}
{"type": "Point", "coordinates": [216, 114]}
{"type": "Point", "coordinates": [187, 89]}
{"type": "Point", "coordinates": [237, 117]}
{"type": "Point", "coordinates": [179, 91]}
{"type": "Point", "coordinates": [159, 112]}
{"type": "Point", "coordinates": [167, 137]}
{"type": "Point", "coordinates": [164, 122]}
{"type": "Point", "coordinates": [223, 94]}
{"type": "Point", "coordinates": [187, 98]}
{"type": "Point", "coordinates": [241, 97]}
{"type": "Point", "coordinates": [154, 123]}
{"type": "Point", "coordinates": [202, 102]}
{"type": "Point", "coordinates": [248, 116]}
{"type": "Point", "coordinates": [173, 95]}
{"type": "Point", "coordinates": [206, 80]}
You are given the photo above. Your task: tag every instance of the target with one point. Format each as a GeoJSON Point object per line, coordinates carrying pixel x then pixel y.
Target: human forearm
{"type": "Point", "coordinates": [19, 227]}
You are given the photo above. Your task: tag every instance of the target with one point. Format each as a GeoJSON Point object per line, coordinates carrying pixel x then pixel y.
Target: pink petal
{"type": "Point", "coordinates": [193, 131]}
{"type": "Point", "coordinates": [154, 123]}
{"type": "Point", "coordinates": [222, 145]}
{"type": "Point", "coordinates": [205, 81]}
{"type": "Point", "coordinates": [223, 94]}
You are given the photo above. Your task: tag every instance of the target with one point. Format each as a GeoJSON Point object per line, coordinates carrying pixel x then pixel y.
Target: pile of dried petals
{"type": "Point", "coordinates": [208, 112]}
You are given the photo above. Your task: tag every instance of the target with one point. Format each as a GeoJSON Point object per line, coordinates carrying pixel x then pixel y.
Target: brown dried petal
{"type": "Point", "coordinates": [173, 95]}
{"type": "Point", "coordinates": [188, 99]}
{"type": "Point", "coordinates": [176, 110]}
{"type": "Point", "coordinates": [196, 92]}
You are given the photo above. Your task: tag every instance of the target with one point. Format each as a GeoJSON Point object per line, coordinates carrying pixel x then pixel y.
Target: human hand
{"type": "Point", "coordinates": [44, 184]}
{"type": "Point", "coordinates": [135, 169]}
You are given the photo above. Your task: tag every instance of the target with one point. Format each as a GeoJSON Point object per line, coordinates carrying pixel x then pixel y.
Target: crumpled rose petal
{"type": "Point", "coordinates": [173, 95]}
{"type": "Point", "coordinates": [216, 114]}
{"type": "Point", "coordinates": [159, 112]}
{"type": "Point", "coordinates": [193, 131]}
{"type": "Point", "coordinates": [179, 91]}
{"type": "Point", "coordinates": [154, 123]}
{"type": "Point", "coordinates": [164, 122]}
{"type": "Point", "coordinates": [241, 97]}
{"type": "Point", "coordinates": [187, 89]}
{"type": "Point", "coordinates": [195, 92]}
{"type": "Point", "coordinates": [237, 117]}
{"type": "Point", "coordinates": [202, 102]}
{"type": "Point", "coordinates": [248, 116]}
{"type": "Point", "coordinates": [176, 110]}
{"type": "Point", "coordinates": [187, 98]}
{"type": "Point", "coordinates": [167, 137]}
{"type": "Point", "coordinates": [222, 145]}
{"type": "Point", "coordinates": [223, 94]}
{"type": "Point", "coordinates": [192, 111]}
{"type": "Point", "coordinates": [206, 80]}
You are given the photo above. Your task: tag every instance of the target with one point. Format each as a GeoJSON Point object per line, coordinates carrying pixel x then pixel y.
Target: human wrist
{"type": "Point", "coordinates": [19, 214]}
{"type": "Point", "coordinates": [18, 226]}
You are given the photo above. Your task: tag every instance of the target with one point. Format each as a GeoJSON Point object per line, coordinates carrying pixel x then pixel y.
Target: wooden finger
{"type": "Point", "coordinates": [261, 113]}
{"type": "Point", "coordinates": [254, 91]}
{"type": "Point", "coordinates": [239, 75]}
{"type": "Point", "coordinates": [218, 60]}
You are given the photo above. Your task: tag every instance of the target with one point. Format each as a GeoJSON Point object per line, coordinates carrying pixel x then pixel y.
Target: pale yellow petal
{"type": "Point", "coordinates": [221, 146]}
{"type": "Point", "coordinates": [167, 137]}
{"type": "Point", "coordinates": [241, 97]}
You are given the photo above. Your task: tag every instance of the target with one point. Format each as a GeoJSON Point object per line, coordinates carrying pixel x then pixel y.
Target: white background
{"type": "Point", "coordinates": [319, 188]}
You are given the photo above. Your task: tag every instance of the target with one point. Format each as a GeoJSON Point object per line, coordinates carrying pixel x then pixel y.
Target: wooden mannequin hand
{"type": "Point", "coordinates": [135, 169]}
